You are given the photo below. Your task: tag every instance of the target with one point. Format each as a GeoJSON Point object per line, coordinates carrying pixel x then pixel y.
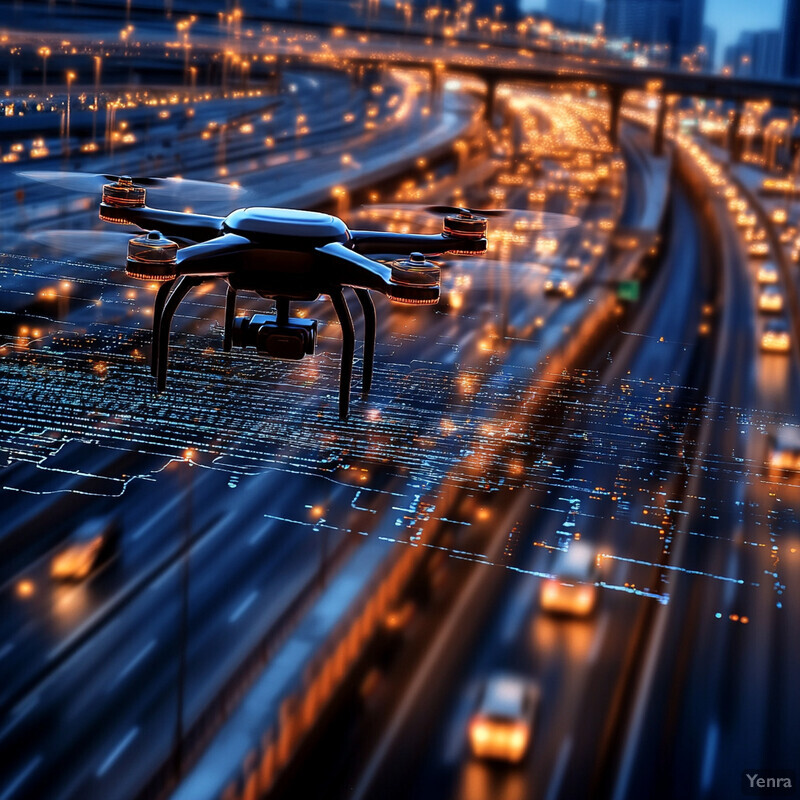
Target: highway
{"type": "Point", "coordinates": [76, 639]}
{"type": "Point", "coordinates": [301, 605]}
{"type": "Point", "coordinates": [495, 626]}
{"type": "Point", "coordinates": [737, 629]}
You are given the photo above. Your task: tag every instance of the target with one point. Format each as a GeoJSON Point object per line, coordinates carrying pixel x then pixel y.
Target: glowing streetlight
{"type": "Point", "coordinates": [70, 78]}
{"type": "Point", "coordinates": [98, 62]}
{"type": "Point", "coordinates": [44, 52]}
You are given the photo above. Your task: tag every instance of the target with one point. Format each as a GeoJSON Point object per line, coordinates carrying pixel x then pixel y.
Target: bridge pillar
{"type": "Point", "coordinates": [794, 136]}
{"type": "Point", "coordinates": [615, 94]}
{"type": "Point", "coordinates": [491, 102]}
{"type": "Point", "coordinates": [734, 143]}
{"type": "Point", "coordinates": [434, 83]}
{"type": "Point", "coordinates": [661, 120]}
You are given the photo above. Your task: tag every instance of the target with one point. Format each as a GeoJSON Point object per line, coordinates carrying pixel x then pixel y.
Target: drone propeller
{"type": "Point", "coordinates": [185, 189]}
{"type": "Point", "coordinates": [526, 220]}
{"type": "Point", "coordinates": [101, 246]}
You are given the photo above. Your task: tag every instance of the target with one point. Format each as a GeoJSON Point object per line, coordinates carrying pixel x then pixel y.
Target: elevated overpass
{"type": "Point", "coordinates": [527, 67]}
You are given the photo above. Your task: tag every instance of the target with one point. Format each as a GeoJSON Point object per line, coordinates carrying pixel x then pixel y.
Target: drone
{"type": "Point", "coordinates": [285, 255]}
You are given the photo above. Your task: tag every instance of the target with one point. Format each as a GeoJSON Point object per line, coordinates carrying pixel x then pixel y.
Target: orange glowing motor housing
{"type": "Point", "coordinates": [152, 257]}
{"type": "Point", "coordinates": [464, 226]}
{"type": "Point", "coordinates": [418, 273]}
{"type": "Point", "coordinates": [122, 194]}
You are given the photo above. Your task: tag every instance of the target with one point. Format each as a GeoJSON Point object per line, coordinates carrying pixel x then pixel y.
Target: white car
{"type": "Point", "coordinates": [770, 299]}
{"type": "Point", "coordinates": [775, 337]}
{"type": "Point", "coordinates": [767, 273]}
{"type": "Point", "coordinates": [784, 449]}
{"type": "Point", "coordinates": [572, 590]}
{"type": "Point", "coordinates": [502, 725]}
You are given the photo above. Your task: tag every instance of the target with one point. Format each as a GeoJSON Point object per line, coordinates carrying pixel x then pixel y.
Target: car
{"type": "Point", "coordinates": [502, 726]}
{"type": "Point", "coordinates": [767, 273]}
{"type": "Point", "coordinates": [775, 337]}
{"type": "Point", "coordinates": [784, 449]}
{"type": "Point", "coordinates": [770, 299]}
{"type": "Point", "coordinates": [571, 590]}
{"type": "Point", "coordinates": [557, 284]}
{"type": "Point", "coordinates": [95, 542]}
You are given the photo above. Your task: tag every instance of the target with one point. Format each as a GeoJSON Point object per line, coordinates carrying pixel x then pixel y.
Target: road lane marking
{"type": "Point", "coordinates": [133, 663]}
{"type": "Point", "coordinates": [521, 603]}
{"type": "Point", "coordinates": [598, 639]}
{"type": "Point", "coordinates": [19, 712]}
{"type": "Point", "coordinates": [560, 768]}
{"type": "Point", "coordinates": [21, 777]}
{"type": "Point", "coordinates": [148, 526]}
{"type": "Point", "coordinates": [117, 751]}
{"type": "Point", "coordinates": [243, 606]}
{"type": "Point", "coordinates": [456, 738]}
{"type": "Point", "coordinates": [709, 756]}
{"type": "Point", "coordinates": [257, 536]}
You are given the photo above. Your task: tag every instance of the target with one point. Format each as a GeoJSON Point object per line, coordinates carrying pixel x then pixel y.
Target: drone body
{"type": "Point", "coordinates": [285, 255]}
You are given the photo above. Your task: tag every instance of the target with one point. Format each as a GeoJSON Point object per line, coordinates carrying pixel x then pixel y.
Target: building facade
{"type": "Point", "coordinates": [675, 23]}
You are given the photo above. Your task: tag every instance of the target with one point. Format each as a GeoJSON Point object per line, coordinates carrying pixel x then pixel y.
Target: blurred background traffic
{"type": "Point", "coordinates": [554, 554]}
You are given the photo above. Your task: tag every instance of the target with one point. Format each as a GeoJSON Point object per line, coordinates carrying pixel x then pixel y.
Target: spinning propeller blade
{"type": "Point", "coordinates": [185, 190]}
{"type": "Point", "coordinates": [105, 247]}
{"type": "Point", "coordinates": [525, 220]}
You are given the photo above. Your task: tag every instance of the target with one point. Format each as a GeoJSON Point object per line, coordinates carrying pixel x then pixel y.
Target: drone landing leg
{"type": "Point", "coordinates": [368, 307]}
{"type": "Point", "coordinates": [183, 286]}
{"type": "Point", "coordinates": [348, 349]}
{"type": "Point", "coordinates": [230, 311]}
{"type": "Point", "coordinates": [158, 310]}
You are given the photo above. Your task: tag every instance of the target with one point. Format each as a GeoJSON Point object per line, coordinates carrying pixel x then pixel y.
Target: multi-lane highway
{"type": "Point", "coordinates": [599, 380]}
{"type": "Point", "coordinates": [74, 639]}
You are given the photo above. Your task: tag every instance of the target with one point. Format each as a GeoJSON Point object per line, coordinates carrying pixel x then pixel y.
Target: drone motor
{"type": "Point", "coordinates": [464, 225]}
{"type": "Point", "coordinates": [123, 193]}
{"type": "Point", "coordinates": [152, 257]}
{"type": "Point", "coordinates": [415, 270]}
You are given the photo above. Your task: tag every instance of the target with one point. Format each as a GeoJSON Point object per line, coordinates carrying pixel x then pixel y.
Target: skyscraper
{"type": "Point", "coordinates": [791, 39]}
{"type": "Point", "coordinates": [576, 14]}
{"type": "Point", "coordinates": [676, 23]}
{"type": "Point", "coordinates": [756, 54]}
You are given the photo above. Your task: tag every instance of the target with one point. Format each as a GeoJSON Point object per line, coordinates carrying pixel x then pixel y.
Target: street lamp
{"type": "Point", "coordinates": [342, 197]}
{"type": "Point", "coordinates": [98, 62]}
{"type": "Point", "coordinates": [70, 77]}
{"type": "Point", "coordinates": [44, 52]}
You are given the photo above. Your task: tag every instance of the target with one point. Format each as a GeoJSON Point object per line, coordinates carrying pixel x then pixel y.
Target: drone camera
{"type": "Point", "coordinates": [291, 340]}
{"type": "Point", "coordinates": [123, 193]}
{"type": "Point", "coordinates": [152, 257]}
{"type": "Point", "coordinates": [465, 226]}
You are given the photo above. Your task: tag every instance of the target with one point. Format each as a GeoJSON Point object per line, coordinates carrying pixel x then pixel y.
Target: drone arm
{"type": "Point", "coordinates": [196, 227]}
{"type": "Point", "coordinates": [387, 242]}
{"type": "Point", "coordinates": [218, 256]}
{"type": "Point", "coordinates": [350, 268]}
{"type": "Point", "coordinates": [346, 267]}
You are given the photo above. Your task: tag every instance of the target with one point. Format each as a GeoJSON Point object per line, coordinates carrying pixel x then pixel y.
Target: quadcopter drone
{"type": "Point", "coordinates": [285, 255]}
